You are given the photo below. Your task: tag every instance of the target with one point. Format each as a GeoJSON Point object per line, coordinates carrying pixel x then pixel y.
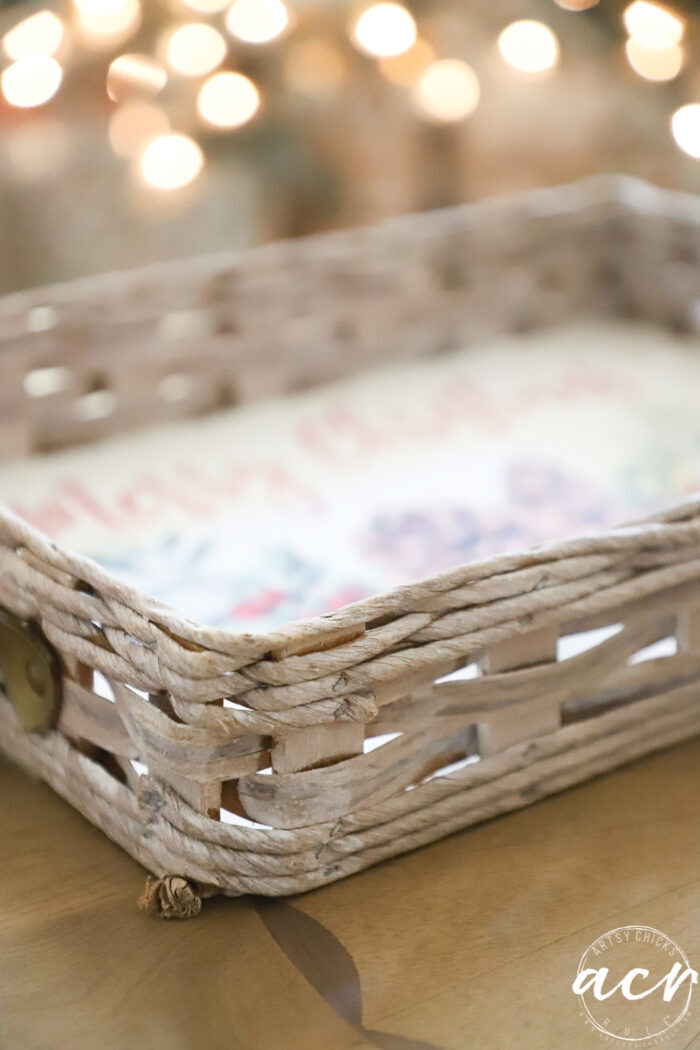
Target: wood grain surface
{"type": "Point", "coordinates": [470, 943]}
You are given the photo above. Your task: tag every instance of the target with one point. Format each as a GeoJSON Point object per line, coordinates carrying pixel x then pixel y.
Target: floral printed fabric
{"type": "Point", "coordinates": [291, 508]}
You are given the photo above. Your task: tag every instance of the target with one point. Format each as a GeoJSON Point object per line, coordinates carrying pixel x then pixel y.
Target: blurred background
{"type": "Point", "coordinates": [140, 130]}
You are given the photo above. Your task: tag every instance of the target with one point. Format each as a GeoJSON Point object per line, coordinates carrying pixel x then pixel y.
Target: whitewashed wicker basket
{"type": "Point", "coordinates": [306, 696]}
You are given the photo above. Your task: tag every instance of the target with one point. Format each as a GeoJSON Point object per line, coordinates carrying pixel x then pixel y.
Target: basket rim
{"type": "Point", "coordinates": [397, 599]}
{"type": "Point", "coordinates": [633, 195]}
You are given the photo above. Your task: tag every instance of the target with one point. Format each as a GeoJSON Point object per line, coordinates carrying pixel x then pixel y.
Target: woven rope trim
{"type": "Point", "coordinates": [87, 613]}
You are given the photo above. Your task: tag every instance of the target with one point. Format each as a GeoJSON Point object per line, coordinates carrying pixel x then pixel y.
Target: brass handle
{"type": "Point", "coordinates": [29, 673]}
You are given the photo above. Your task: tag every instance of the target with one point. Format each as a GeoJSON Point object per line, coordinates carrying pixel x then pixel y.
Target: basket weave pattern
{"type": "Point", "coordinates": [205, 710]}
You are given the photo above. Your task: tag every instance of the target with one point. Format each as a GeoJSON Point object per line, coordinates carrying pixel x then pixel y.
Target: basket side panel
{"type": "Point", "coordinates": [107, 354]}
{"type": "Point", "coordinates": [615, 684]}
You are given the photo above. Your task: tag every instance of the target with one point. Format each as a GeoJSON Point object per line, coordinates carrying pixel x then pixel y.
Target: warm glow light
{"type": "Point", "coordinates": [448, 90]}
{"type": "Point", "coordinates": [405, 69]}
{"type": "Point", "coordinates": [171, 162]}
{"type": "Point", "coordinates": [31, 81]}
{"type": "Point", "coordinates": [194, 49]}
{"type": "Point", "coordinates": [315, 67]}
{"type": "Point", "coordinates": [685, 125]}
{"type": "Point", "coordinates": [134, 76]}
{"type": "Point", "coordinates": [384, 30]}
{"type": "Point", "coordinates": [257, 21]}
{"type": "Point", "coordinates": [99, 8]}
{"type": "Point", "coordinates": [206, 7]}
{"type": "Point", "coordinates": [101, 21]}
{"type": "Point", "coordinates": [530, 47]}
{"type": "Point", "coordinates": [653, 25]}
{"type": "Point", "coordinates": [134, 125]}
{"type": "Point", "coordinates": [653, 64]}
{"type": "Point", "coordinates": [576, 5]}
{"type": "Point", "coordinates": [228, 100]}
{"type": "Point", "coordinates": [41, 32]}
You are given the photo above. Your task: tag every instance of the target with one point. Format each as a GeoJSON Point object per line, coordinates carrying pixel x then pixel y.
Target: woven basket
{"type": "Point", "coordinates": [306, 696]}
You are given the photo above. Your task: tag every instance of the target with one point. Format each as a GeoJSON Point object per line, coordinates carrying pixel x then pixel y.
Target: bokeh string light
{"type": "Point", "coordinates": [41, 32]}
{"type": "Point", "coordinates": [31, 81]}
{"type": "Point", "coordinates": [654, 63]}
{"type": "Point", "coordinates": [685, 127]}
{"type": "Point", "coordinates": [135, 76]}
{"type": "Point", "coordinates": [314, 64]}
{"type": "Point", "coordinates": [102, 22]}
{"type": "Point", "coordinates": [171, 162]}
{"type": "Point", "coordinates": [385, 30]}
{"type": "Point", "coordinates": [193, 49]}
{"type": "Point", "coordinates": [206, 7]}
{"type": "Point", "coordinates": [447, 90]}
{"type": "Point", "coordinates": [257, 21]}
{"type": "Point", "coordinates": [653, 25]}
{"type": "Point", "coordinates": [653, 49]}
{"type": "Point", "coordinates": [529, 47]}
{"type": "Point", "coordinates": [228, 100]}
{"type": "Point", "coordinates": [577, 5]}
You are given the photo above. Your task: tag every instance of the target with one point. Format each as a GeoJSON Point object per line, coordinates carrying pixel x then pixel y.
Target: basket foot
{"type": "Point", "coordinates": [171, 897]}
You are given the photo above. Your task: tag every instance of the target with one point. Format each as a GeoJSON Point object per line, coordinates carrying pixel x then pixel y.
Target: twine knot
{"type": "Point", "coordinates": [171, 897]}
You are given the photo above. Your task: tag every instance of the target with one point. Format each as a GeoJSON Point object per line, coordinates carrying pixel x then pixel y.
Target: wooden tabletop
{"type": "Point", "coordinates": [470, 943]}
